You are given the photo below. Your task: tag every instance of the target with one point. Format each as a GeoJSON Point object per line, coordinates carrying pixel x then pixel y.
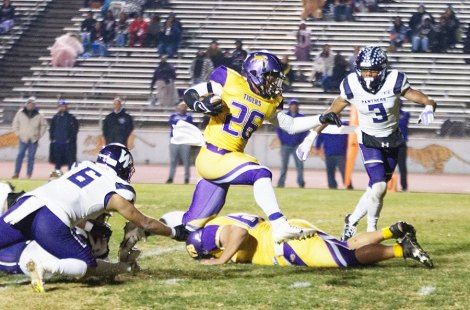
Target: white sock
{"type": "Point", "coordinates": [361, 208]}
{"type": "Point", "coordinates": [373, 214]}
{"type": "Point", "coordinates": [266, 198]}
{"type": "Point", "coordinates": [68, 266]}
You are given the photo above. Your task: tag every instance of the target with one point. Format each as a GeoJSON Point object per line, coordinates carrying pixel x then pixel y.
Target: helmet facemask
{"type": "Point", "coordinates": [372, 58]}
{"type": "Point", "coordinates": [272, 85]}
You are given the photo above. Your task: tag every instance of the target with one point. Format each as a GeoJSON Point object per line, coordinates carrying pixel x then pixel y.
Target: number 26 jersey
{"type": "Point", "coordinates": [243, 112]}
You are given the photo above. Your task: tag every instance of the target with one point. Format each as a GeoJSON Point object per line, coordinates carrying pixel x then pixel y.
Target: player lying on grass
{"type": "Point", "coordinates": [245, 238]}
{"type": "Point", "coordinates": [47, 213]}
{"type": "Point", "coordinates": [25, 257]}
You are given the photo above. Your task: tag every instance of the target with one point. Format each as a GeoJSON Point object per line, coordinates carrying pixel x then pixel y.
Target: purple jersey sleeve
{"type": "Point", "coordinates": [219, 75]}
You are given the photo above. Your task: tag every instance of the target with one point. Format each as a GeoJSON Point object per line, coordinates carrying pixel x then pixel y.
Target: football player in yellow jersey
{"type": "Point", "coordinates": [238, 105]}
{"type": "Point", "coordinates": [245, 238]}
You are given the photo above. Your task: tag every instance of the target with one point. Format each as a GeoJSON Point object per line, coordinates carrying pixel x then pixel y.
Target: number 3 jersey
{"type": "Point", "coordinates": [378, 113]}
{"type": "Point", "coordinates": [83, 192]}
{"type": "Point", "coordinates": [321, 250]}
{"type": "Point", "coordinates": [243, 112]}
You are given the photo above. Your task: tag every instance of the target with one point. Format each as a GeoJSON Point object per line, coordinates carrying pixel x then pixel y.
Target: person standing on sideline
{"type": "Point", "coordinates": [118, 125]}
{"type": "Point", "coordinates": [289, 143]}
{"type": "Point", "coordinates": [63, 136]}
{"type": "Point", "coordinates": [402, 151]}
{"type": "Point", "coordinates": [334, 148]}
{"type": "Point", "coordinates": [179, 152]}
{"type": "Point", "coordinates": [29, 125]}
{"type": "Point", "coordinates": [376, 91]}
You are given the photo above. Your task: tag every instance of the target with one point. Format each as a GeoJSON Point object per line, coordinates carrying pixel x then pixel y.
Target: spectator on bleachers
{"type": "Point", "coordinates": [343, 10]}
{"type": "Point", "coordinates": [85, 28]}
{"type": "Point", "coordinates": [138, 31]}
{"type": "Point", "coordinates": [154, 31]}
{"type": "Point", "coordinates": [65, 50]}
{"type": "Point", "coordinates": [424, 34]}
{"type": "Point", "coordinates": [399, 34]}
{"type": "Point", "coordinates": [417, 18]}
{"type": "Point", "coordinates": [170, 37]}
{"type": "Point", "coordinates": [466, 45]}
{"type": "Point", "coordinates": [352, 59]}
{"type": "Point", "coordinates": [29, 125]}
{"type": "Point", "coordinates": [453, 26]}
{"type": "Point", "coordinates": [312, 9]}
{"type": "Point", "coordinates": [122, 30]}
{"type": "Point", "coordinates": [288, 73]}
{"type": "Point", "coordinates": [109, 28]}
{"type": "Point", "coordinates": [201, 67]}
{"type": "Point", "coordinates": [302, 45]}
{"type": "Point", "coordinates": [133, 8]}
{"type": "Point", "coordinates": [7, 16]}
{"type": "Point", "coordinates": [340, 70]}
{"type": "Point", "coordinates": [322, 66]}
{"type": "Point", "coordinates": [98, 45]}
{"type": "Point", "coordinates": [117, 125]}
{"type": "Point", "coordinates": [365, 5]}
{"type": "Point", "coordinates": [327, 11]}
{"type": "Point", "coordinates": [440, 41]}
{"type": "Point", "coordinates": [164, 81]}
{"type": "Point", "coordinates": [238, 56]}
{"type": "Point", "coordinates": [63, 133]}
{"type": "Point", "coordinates": [215, 54]}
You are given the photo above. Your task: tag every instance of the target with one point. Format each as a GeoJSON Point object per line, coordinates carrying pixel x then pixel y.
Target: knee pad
{"type": "Point", "coordinates": [262, 173]}
{"type": "Point", "coordinates": [377, 192]}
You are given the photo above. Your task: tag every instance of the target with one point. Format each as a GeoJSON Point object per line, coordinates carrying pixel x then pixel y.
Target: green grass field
{"type": "Point", "coordinates": [170, 279]}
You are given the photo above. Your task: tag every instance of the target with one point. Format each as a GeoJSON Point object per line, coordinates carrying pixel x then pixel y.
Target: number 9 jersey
{"type": "Point", "coordinates": [243, 112]}
{"type": "Point", "coordinates": [83, 192]}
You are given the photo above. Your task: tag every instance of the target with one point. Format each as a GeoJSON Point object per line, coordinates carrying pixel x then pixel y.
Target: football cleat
{"type": "Point", "coordinates": [284, 232]}
{"type": "Point", "coordinates": [400, 229]}
{"type": "Point", "coordinates": [36, 272]}
{"type": "Point", "coordinates": [349, 229]}
{"type": "Point", "coordinates": [412, 249]}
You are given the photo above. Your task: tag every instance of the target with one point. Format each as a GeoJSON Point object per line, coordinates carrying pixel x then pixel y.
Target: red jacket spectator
{"type": "Point", "coordinates": [138, 31]}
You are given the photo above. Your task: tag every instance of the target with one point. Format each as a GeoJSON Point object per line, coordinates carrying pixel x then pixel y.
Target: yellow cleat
{"type": "Point", "coordinates": [36, 273]}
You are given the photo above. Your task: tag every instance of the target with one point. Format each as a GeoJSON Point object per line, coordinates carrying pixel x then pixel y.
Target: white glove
{"type": "Point", "coordinates": [304, 148]}
{"type": "Point", "coordinates": [427, 116]}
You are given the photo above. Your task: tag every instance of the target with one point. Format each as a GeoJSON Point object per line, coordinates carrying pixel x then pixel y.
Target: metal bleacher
{"type": "Point", "coordinates": [25, 12]}
{"type": "Point", "coordinates": [261, 25]}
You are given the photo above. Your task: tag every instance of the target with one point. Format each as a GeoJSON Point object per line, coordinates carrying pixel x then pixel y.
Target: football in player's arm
{"type": "Point", "coordinates": [237, 105]}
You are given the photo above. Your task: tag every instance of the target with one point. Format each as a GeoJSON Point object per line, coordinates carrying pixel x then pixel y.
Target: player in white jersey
{"type": "Point", "coordinates": [17, 258]}
{"type": "Point", "coordinates": [375, 91]}
{"type": "Point", "coordinates": [47, 214]}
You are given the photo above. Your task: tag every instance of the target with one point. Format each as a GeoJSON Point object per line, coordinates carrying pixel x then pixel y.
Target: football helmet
{"type": "Point", "coordinates": [264, 71]}
{"type": "Point", "coordinates": [118, 157]}
{"type": "Point", "coordinates": [372, 58]}
{"type": "Point", "coordinates": [194, 246]}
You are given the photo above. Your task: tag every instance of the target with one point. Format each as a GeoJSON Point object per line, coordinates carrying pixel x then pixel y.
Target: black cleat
{"type": "Point", "coordinates": [412, 249]}
{"type": "Point", "coordinates": [400, 229]}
